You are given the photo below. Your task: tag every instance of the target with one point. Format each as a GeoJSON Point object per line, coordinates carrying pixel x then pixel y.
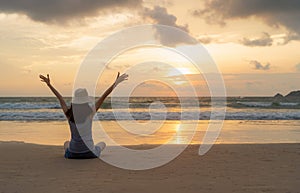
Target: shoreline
{"type": "Point", "coordinates": [225, 168]}
{"type": "Point", "coordinates": [232, 132]}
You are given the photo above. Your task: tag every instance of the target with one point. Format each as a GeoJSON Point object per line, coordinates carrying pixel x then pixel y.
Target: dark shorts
{"type": "Point", "coordinates": [86, 155]}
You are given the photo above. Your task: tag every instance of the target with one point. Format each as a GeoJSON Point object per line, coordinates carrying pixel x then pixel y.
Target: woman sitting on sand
{"type": "Point", "coordinates": [80, 116]}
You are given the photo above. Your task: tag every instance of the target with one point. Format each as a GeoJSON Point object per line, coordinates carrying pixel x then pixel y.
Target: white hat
{"type": "Point", "coordinates": [81, 96]}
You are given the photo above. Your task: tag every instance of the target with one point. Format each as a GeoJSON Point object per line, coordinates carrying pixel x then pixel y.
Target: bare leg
{"type": "Point", "coordinates": [66, 145]}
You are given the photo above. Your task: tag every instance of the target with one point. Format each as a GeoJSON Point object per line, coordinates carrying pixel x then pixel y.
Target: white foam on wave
{"type": "Point", "coordinates": [255, 104]}
{"type": "Point", "coordinates": [108, 115]}
{"type": "Point", "coordinates": [29, 105]}
{"type": "Point", "coordinates": [288, 104]}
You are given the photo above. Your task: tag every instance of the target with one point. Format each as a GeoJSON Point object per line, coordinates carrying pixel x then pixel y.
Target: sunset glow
{"type": "Point", "coordinates": [244, 47]}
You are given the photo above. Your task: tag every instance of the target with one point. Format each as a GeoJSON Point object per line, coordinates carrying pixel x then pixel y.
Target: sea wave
{"type": "Point", "coordinates": [29, 105]}
{"type": "Point", "coordinates": [105, 105]}
{"type": "Point", "coordinates": [48, 108]}
{"type": "Point", "coordinates": [257, 104]}
{"type": "Point", "coordinates": [190, 115]}
{"type": "Point", "coordinates": [288, 104]}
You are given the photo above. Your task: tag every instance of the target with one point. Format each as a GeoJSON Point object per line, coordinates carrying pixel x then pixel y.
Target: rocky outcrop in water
{"type": "Point", "coordinates": [278, 98]}
{"type": "Point", "coordinates": [293, 96]}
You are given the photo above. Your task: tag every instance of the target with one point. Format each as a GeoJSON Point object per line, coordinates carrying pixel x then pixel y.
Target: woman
{"type": "Point", "coordinates": [80, 116]}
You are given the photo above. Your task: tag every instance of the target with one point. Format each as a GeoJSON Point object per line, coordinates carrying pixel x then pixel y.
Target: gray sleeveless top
{"type": "Point", "coordinates": [81, 137]}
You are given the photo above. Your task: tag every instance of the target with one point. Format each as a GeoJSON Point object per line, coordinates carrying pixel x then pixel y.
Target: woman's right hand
{"type": "Point", "coordinates": [45, 79]}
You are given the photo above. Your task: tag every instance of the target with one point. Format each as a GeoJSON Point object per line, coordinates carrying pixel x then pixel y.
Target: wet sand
{"type": "Point", "coordinates": [31, 168]}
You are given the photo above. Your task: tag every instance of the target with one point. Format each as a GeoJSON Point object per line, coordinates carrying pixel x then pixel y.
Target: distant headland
{"type": "Point", "coordinates": [293, 96]}
{"type": "Point", "coordinates": [290, 101]}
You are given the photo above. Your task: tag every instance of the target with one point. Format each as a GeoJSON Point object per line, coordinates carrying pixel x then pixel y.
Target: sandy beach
{"type": "Point", "coordinates": [225, 168]}
{"type": "Point", "coordinates": [171, 96]}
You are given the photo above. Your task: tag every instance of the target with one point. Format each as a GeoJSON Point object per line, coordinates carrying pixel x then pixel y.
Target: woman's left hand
{"type": "Point", "coordinates": [45, 79]}
{"type": "Point", "coordinates": [121, 78]}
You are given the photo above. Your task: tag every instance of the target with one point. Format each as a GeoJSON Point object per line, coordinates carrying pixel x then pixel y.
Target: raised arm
{"type": "Point", "coordinates": [118, 80]}
{"type": "Point", "coordinates": [55, 92]}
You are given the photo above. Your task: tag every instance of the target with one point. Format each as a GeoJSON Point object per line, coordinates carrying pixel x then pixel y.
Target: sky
{"type": "Point", "coordinates": [253, 43]}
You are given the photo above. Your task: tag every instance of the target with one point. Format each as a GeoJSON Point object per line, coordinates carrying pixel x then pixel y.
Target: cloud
{"type": "Point", "coordinates": [259, 66]}
{"type": "Point", "coordinates": [290, 37]}
{"type": "Point", "coordinates": [298, 67]}
{"type": "Point", "coordinates": [60, 11]}
{"type": "Point", "coordinates": [205, 40]}
{"type": "Point", "coordinates": [161, 16]}
{"type": "Point", "coordinates": [64, 11]}
{"type": "Point", "coordinates": [274, 13]}
{"type": "Point", "coordinates": [210, 18]}
{"type": "Point", "coordinates": [213, 38]}
{"type": "Point", "coordinates": [169, 37]}
{"type": "Point", "coordinates": [264, 40]}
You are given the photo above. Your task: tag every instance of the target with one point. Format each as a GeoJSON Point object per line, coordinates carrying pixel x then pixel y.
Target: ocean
{"type": "Point", "coordinates": [40, 120]}
{"type": "Point", "coordinates": [238, 108]}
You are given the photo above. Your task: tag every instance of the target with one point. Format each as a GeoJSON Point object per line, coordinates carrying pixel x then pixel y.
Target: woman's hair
{"type": "Point", "coordinates": [82, 112]}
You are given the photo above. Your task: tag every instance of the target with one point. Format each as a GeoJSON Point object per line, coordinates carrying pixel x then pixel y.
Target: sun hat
{"type": "Point", "coordinates": [81, 96]}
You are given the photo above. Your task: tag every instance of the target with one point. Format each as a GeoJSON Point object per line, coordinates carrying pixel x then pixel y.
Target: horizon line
{"type": "Point", "coordinates": [14, 96]}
